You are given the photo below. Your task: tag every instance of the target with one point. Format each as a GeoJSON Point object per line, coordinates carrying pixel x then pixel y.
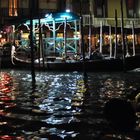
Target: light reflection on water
{"type": "Point", "coordinates": [62, 106]}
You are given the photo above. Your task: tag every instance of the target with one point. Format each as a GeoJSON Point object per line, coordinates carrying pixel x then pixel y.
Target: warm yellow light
{"type": "Point", "coordinates": [60, 35]}
{"type": "Point", "coordinates": [13, 8]}
{"type": "Point", "coordinates": [25, 35]}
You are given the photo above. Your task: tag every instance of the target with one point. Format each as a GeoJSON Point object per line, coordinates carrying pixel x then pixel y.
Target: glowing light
{"type": "Point", "coordinates": [13, 8]}
{"type": "Point", "coordinates": [48, 16]}
{"type": "Point", "coordinates": [65, 16]}
{"type": "Point", "coordinates": [67, 10]}
{"type": "Point", "coordinates": [57, 17]}
{"type": "Point", "coordinates": [7, 137]}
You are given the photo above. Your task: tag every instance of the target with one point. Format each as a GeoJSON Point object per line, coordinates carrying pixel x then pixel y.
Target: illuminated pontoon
{"type": "Point", "coordinates": [59, 34]}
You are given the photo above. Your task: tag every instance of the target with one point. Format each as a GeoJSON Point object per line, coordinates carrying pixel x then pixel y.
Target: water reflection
{"type": "Point", "coordinates": [5, 82]}
{"type": "Point", "coordinates": [62, 106]}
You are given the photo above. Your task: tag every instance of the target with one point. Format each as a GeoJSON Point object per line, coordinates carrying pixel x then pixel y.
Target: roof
{"type": "Point", "coordinates": [57, 17]}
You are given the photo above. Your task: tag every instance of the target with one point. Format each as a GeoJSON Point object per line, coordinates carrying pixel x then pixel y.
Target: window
{"type": "Point", "coordinates": [130, 8]}
{"type": "Point", "coordinates": [23, 3]}
{"type": "Point", "coordinates": [48, 4]}
{"type": "Point", "coordinates": [100, 8]}
{"type": "Point", "coordinates": [13, 8]}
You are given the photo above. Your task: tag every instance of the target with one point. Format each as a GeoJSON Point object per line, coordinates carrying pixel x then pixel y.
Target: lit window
{"type": "Point", "coordinates": [13, 8]}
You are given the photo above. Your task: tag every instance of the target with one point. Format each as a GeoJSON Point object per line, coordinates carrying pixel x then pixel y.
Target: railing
{"type": "Point", "coordinates": [52, 46]}
{"type": "Point", "coordinates": [58, 46]}
{"type": "Point", "coordinates": [109, 21]}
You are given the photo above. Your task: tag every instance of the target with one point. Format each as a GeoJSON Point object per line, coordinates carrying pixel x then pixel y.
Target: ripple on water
{"type": "Point", "coordinates": [61, 106]}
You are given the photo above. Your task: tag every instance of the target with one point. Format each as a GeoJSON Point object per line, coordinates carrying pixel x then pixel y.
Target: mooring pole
{"type": "Point", "coordinates": [116, 42]}
{"type": "Point", "coordinates": [32, 44]}
{"type": "Point", "coordinates": [133, 33]}
{"type": "Point", "coordinates": [123, 40]}
{"type": "Point", "coordinates": [41, 47]}
{"type": "Point", "coordinates": [90, 34]}
{"type": "Point", "coordinates": [82, 40]}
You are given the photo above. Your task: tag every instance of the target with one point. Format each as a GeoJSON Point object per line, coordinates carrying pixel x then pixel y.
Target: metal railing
{"type": "Point", "coordinates": [109, 21]}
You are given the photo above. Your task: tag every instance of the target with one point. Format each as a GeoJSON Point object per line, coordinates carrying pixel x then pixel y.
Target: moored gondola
{"type": "Point", "coordinates": [59, 64]}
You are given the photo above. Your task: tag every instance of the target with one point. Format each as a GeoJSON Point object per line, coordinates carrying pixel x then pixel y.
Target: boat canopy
{"type": "Point", "coordinates": [59, 34]}
{"type": "Point", "coordinates": [57, 17]}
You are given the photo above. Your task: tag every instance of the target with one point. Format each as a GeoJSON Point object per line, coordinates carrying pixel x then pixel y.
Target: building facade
{"type": "Point", "coordinates": [19, 9]}
{"type": "Point", "coordinates": [103, 15]}
{"type": "Point", "coordinates": [99, 10]}
{"type": "Point", "coordinates": [95, 15]}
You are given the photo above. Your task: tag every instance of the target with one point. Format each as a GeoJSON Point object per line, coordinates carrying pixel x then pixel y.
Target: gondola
{"type": "Point", "coordinates": [59, 64]}
{"type": "Point", "coordinates": [63, 44]}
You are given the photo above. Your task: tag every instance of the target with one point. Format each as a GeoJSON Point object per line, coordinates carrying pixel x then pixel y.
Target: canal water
{"type": "Point", "coordinates": [61, 106]}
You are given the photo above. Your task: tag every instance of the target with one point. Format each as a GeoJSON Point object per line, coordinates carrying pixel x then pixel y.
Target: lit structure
{"type": "Point", "coordinates": [96, 13]}
{"type": "Point", "coordinates": [61, 36]}
{"type": "Point", "coordinates": [99, 15]}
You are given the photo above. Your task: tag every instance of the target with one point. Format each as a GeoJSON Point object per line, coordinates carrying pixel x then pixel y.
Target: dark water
{"type": "Point", "coordinates": [62, 106]}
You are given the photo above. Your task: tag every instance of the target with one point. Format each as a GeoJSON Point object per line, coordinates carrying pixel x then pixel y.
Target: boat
{"type": "Point", "coordinates": [60, 64]}
{"type": "Point", "coordinates": [98, 65]}
{"type": "Point", "coordinates": [54, 49]}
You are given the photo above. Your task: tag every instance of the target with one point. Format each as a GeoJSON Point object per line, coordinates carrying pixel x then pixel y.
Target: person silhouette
{"type": "Point", "coordinates": [120, 114]}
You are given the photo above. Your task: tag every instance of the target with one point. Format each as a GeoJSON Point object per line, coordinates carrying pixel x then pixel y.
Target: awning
{"type": "Point", "coordinates": [57, 17]}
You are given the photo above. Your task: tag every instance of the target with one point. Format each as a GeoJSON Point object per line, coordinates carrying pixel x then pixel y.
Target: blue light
{"type": "Point", "coordinates": [68, 17]}
{"type": "Point", "coordinates": [65, 15]}
{"type": "Point", "coordinates": [57, 17]}
{"type": "Point", "coordinates": [49, 16]}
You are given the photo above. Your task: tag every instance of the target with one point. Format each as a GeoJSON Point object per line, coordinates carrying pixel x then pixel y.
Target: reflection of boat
{"type": "Point", "coordinates": [57, 64]}
{"type": "Point", "coordinates": [5, 56]}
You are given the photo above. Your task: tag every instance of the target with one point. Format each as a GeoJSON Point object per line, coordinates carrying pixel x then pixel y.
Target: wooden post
{"type": "Point", "coordinates": [54, 36]}
{"type": "Point", "coordinates": [65, 38]}
{"type": "Point", "coordinates": [101, 37]}
{"type": "Point", "coordinates": [82, 40]}
{"type": "Point", "coordinates": [133, 33]}
{"type": "Point", "coordinates": [116, 42]}
{"type": "Point", "coordinates": [122, 32]}
{"type": "Point", "coordinates": [39, 49]}
{"type": "Point", "coordinates": [41, 46]}
{"type": "Point", "coordinates": [90, 33]}
{"type": "Point", "coordinates": [32, 44]}
{"type": "Point", "coordinates": [110, 41]}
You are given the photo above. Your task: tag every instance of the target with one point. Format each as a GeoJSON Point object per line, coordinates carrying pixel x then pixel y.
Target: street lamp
{"type": "Point", "coordinates": [67, 10]}
{"type": "Point", "coordinates": [68, 6]}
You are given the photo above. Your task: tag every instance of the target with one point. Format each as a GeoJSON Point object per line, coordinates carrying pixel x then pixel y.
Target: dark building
{"type": "Point", "coordinates": [20, 9]}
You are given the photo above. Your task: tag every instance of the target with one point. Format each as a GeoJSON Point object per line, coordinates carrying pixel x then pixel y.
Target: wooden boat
{"type": "Point", "coordinates": [58, 64]}
{"type": "Point", "coordinates": [65, 44]}
{"type": "Point", "coordinates": [5, 62]}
